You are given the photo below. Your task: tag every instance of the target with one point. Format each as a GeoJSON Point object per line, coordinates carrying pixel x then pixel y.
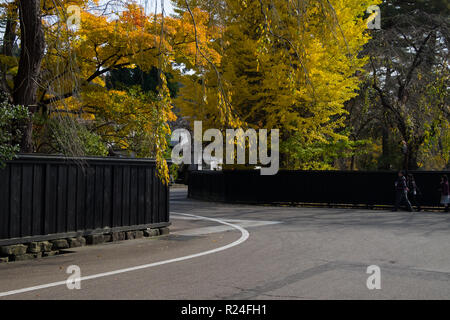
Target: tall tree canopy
{"type": "Point", "coordinates": [405, 96]}
{"type": "Point", "coordinates": [61, 71]}
{"type": "Point", "coordinates": [285, 64]}
{"type": "Point", "coordinates": [108, 83]}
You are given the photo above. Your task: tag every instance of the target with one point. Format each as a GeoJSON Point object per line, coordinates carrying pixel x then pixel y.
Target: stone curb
{"type": "Point", "coordinates": [39, 249]}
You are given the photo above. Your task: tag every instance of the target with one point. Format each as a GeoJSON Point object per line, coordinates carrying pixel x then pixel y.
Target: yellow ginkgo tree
{"type": "Point", "coordinates": [289, 65]}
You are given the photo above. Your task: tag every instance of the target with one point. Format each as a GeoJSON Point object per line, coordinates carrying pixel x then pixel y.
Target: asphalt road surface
{"type": "Point", "coordinates": [254, 252]}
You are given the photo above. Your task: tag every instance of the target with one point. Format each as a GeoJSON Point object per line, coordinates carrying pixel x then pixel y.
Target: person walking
{"type": "Point", "coordinates": [445, 193]}
{"type": "Point", "coordinates": [401, 192]}
{"type": "Point", "coordinates": [414, 192]}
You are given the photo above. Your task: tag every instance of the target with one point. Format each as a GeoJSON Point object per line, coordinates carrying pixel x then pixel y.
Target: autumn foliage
{"type": "Point", "coordinates": [288, 65]}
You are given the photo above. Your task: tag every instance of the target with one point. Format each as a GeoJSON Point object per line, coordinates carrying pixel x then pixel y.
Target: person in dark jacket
{"type": "Point", "coordinates": [445, 192]}
{"type": "Point", "coordinates": [401, 192]}
{"type": "Point", "coordinates": [414, 193]}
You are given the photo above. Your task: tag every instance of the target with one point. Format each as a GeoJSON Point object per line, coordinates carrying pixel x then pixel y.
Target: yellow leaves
{"type": "Point", "coordinates": [191, 44]}
{"type": "Point", "coordinates": [8, 61]}
{"type": "Point", "coordinates": [296, 81]}
{"type": "Point", "coordinates": [135, 16]}
{"type": "Point", "coordinates": [78, 60]}
{"type": "Point", "coordinates": [283, 71]}
{"type": "Point", "coordinates": [171, 116]}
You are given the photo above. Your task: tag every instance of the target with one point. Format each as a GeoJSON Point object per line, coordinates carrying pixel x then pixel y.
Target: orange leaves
{"type": "Point", "coordinates": [134, 15]}
{"type": "Point", "coordinates": [188, 39]}
{"type": "Point", "coordinates": [111, 43]}
{"type": "Point", "coordinates": [78, 60]}
{"type": "Point", "coordinates": [107, 41]}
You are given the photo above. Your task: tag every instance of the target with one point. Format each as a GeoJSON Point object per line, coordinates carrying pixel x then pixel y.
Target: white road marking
{"type": "Point", "coordinates": [243, 238]}
{"type": "Point", "coordinates": [208, 230]}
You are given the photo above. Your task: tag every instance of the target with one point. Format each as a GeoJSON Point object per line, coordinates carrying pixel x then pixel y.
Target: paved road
{"type": "Point", "coordinates": [291, 253]}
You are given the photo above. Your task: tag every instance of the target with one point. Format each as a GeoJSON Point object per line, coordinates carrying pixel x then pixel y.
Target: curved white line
{"type": "Point", "coordinates": [244, 237]}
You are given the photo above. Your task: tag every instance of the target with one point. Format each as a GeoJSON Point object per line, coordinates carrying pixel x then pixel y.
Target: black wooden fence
{"type": "Point", "coordinates": [315, 187]}
{"type": "Point", "coordinates": [43, 197]}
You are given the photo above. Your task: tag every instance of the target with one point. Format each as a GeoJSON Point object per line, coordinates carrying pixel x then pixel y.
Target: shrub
{"type": "Point", "coordinates": [12, 119]}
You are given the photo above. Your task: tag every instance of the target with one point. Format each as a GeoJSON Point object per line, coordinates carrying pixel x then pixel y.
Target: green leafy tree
{"type": "Point", "coordinates": [405, 96]}
{"type": "Point", "coordinates": [12, 119]}
{"type": "Point", "coordinates": [124, 78]}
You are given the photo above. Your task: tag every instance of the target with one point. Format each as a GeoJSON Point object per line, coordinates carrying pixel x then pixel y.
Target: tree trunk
{"type": "Point", "coordinates": [413, 150]}
{"type": "Point", "coordinates": [32, 51]}
{"type": "Point", "coordinates": [10, 30]}
{"type": "Point", "coordinates": [9, 37]}
{"type": "Point", "coordinates": [352, 163]}
{"type": "Point", "coordinates": [385, 163]}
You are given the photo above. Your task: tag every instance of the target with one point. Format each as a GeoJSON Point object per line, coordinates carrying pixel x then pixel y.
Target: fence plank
{"type": "Point", "coordinates": [5, 187]}
{"type": "Point", "coordinates": [37, 225]}
{"type": "Point", "coordinates": [26, 212]}
{"type": "Point", "coordinates": [107, 197]}
{"type": "Point", "coordinates": [15, 201]}
{"type": "Point", "coordinates": [141, 196]}
{"type": "Point", "coordinates": [98, 199]}
{"type": "Point", "coordinates": [81, 200]}
{"type": "Point", "coordinates": [71, 221]}
{"type": "Point", "coordinates": [61, 196]}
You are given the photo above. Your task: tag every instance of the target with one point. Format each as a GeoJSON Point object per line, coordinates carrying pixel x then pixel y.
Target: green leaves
{"type": "Point", "coordinates": [11, 119]}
